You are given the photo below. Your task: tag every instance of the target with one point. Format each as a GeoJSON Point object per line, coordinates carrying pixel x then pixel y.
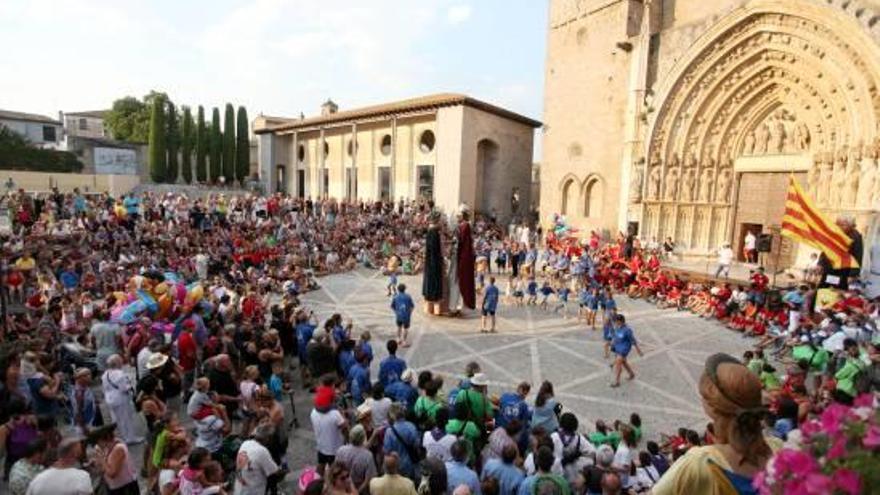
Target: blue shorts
{"type": "Point", "coordinates": [403, 323]}
{"type": "Point", "coordinates": [488, 312]}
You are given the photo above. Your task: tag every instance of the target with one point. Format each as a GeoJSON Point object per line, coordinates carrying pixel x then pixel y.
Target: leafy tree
{"type": "Point", "coordinates": [242, 147]}
{"type": "Point", "coordinates": [216, 146]}
{"type": "Point", "coordinates": [157, 152]}
{"type": "Point", "coordinates": [201, 146]}
{"type": "Point", "coordinates": [186, 147]}
{"type": "Point", "coordinates": [229, 143]}
{"type": "Point", "coordinates": [129, 118]}
{"type": "Point", "coordinates": [172, 140]}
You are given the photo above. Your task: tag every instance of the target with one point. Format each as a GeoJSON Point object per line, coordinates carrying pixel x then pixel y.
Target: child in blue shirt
{"type": "Point", "coordinates": [562, 300]}
{"type": "Point", "coordinates": [609, 305]}
{"type": "Point", "coordinates": [594, 302]}
{"type": "Point", "coordinates": [276, 383]}
{"type": "Point", "coordinates": [546, 290]}
{"type": "Point", "coordinates": [532, 289]}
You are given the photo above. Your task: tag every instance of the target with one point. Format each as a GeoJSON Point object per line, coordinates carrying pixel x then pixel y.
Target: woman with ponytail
{"type": "Point", "coordinates": [731, 396]}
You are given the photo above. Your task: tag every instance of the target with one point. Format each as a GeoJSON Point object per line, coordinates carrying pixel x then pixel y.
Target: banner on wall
{"type": "Point", "coordinates": [117, 161]}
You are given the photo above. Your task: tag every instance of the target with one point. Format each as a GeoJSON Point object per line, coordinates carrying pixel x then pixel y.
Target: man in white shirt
{"type": "Point", "coordinates": [64, 478]}
{"type": "Point", "coordinates": [254, 464]}
{"type": "Point", "coordinates": [725, 258]}
{"type": "Point", "coordinates": [749, 246]}
{"type": "Point", "coordinates": [330, 429]}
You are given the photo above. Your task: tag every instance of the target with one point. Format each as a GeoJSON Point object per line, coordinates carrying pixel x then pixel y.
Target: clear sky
{"type": "Point", "coordinates": [277, 57]}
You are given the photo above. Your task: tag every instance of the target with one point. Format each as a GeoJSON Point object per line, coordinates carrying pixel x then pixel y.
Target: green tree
{"type": "Point", "coordinates": [157, 153]}
{"type": "Point", "coordinates": [187, 141]}
{"type": "Point", "coordinates": [229, 143]}
{"type": "Point", "coordinates": [216, 146]}
{"type": "Point", "coordinates": [201, 146]}
{"type": "Point", "coordinates": [242, 147]}
{"type": "Point", "coordinates": [172, 141]}
{"type": "Point", "coordinates": [129, 118]}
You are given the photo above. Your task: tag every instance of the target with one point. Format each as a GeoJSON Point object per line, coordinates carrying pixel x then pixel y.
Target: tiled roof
{"type": "Point", "coordinates": [28, 117]}
{"type": "Point", "coordinates": [95, 114]}
{"type": "Point", "coordinates": [409, 105]}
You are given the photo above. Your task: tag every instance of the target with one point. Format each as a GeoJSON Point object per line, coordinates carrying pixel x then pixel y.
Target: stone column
{"type": "Point", "coordinates": [322, 167]}
{"type": "Point", "coordinates": [393, 188]}
{"type": "Point", "coordinates": [293, 180]}
{"type": "Point", "coordinates": [354, 161]}
{"type": "Point", "coordinates": [633, 131]}
{"type": "Point", "coordinates": [266, 148]}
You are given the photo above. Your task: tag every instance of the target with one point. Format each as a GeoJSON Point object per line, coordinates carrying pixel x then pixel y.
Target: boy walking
{"type": "Point", "coordinates": [402, 304]}
{"type": "Point", "coordinates": [490, 304]}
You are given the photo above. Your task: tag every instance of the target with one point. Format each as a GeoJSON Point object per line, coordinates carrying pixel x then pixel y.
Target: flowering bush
{"type": "Point", "coordinates": [837, 453]}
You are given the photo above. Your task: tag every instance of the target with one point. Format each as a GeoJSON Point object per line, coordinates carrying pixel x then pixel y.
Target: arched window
{"type": "Point", "coordinates": [593, 198]}
{"type": "Point", "coordinates": [426, 141]}
{"type": "Point", "coordinates": [385, 146]}
{"type": "Point", "coordinates": [569, 196]}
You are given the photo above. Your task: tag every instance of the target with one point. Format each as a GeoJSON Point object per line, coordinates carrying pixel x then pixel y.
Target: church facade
{"type": "Point", "coordinates": [686, 118]}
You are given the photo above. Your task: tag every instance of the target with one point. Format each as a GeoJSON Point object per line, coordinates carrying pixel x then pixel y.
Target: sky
{"type": "Point", "coordinates": [276, 57]}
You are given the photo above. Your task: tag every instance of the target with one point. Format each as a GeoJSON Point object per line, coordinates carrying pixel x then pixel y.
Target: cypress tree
{"type": "Point", "coordinates": [156, 155]}
{"type": "Point", "coordinates": [229, 143]}
{"type": "Point", "coordinates": [186, 145]}
{"type": "Point", "coordinates": [216, 146]}
{"type": "Point", "coordinates": [172, 140]}
{"type": "Point", "coordinates": [201, 146]}
{"type": "Point", "coordinates": [242, 147]}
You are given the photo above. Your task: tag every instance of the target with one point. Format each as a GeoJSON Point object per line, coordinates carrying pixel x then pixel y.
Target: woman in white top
{"type": "Point", "coordinates": [436, 441]}
{"type": "Point", "coordinates": [623, 457]}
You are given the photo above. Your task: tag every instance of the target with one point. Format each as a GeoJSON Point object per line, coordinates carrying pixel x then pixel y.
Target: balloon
{"type": "Point", "coordinates": [149, 302]}
{"type": "Point", "coordinates": [131, 312]}
{"type": "Point", "coordinates": [165, 304]}
{"type": "Point", "coordinates": [116, 311]}
{"type": "Point", "coordinates": [180, 292]}
{"type": "Point", "coordinates": [195, 292]}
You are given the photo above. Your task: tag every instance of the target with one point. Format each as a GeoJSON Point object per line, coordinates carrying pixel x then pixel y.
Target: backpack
{"type": "Point", "coordinates": [570, 457]}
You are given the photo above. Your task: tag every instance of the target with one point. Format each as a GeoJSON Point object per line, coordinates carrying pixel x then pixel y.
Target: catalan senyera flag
{"type": "Point", "coordinates": [803, 222]}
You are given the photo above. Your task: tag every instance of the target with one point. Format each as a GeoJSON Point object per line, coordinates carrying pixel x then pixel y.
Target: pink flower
{"type": "Point", "coordinates": [810, 428]}
{"type": "Point", "coordinates": [847, 480]}
{"type": "Point", "coordinates": [795, 462]}
{"type": "Point", "coordinates": [872, 437]}
{"type": "Point", "coordinates": [838, 448]}
{"type": "Point", "coordinates": [864, 400]}
{"type": "Point", "coordinates": [832, 417]}
{"type": "Point", "coordinates": [819, 484]}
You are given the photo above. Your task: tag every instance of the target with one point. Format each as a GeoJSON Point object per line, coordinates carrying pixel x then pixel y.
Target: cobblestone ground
{"type": "Point", "coordinates": [532, 345]}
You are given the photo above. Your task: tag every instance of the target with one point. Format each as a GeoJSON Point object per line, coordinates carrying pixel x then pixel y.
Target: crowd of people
{"type": "Point", "coordinates": [176, 324]}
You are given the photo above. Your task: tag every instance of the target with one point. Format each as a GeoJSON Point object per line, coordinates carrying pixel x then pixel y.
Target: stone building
{"type": "Point", "coordinates": [447, 147]}
{"type": "Point", "coordinates": [90, 124]}
{"type": "Point", "coordinates": [685, 118]}
{"type": "Point", "coordinates": [39, 130]}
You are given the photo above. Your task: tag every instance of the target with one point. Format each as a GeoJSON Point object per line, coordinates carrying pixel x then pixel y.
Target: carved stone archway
{"type": "Point", "coordinates": [795, 86]}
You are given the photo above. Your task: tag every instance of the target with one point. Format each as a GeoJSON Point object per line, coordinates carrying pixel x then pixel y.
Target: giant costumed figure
{"type": "Point", "coordinates": [432, 278]}
{"type": "Point", "coordinates": [447, 289]}
{"type": "Point", "coordinates": [463, 258]}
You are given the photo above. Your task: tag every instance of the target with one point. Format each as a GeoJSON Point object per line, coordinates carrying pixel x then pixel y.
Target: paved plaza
{"type": "Point", "coordinates": [536, 345]}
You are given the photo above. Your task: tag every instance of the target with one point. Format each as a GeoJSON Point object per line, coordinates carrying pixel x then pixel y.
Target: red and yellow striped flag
{"type": "Point", "coordinates": [804, 222]}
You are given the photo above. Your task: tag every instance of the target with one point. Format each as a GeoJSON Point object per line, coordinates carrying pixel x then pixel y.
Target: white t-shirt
{"type": "Point", "coordinates": [750, 241]}
{"type": "Point", "coordinates": [142, 357]}
{"type": "Point", "coordinates": [623, 460]}
{"type": "Point", "coordinates": [254, 465]}
{"type": "Point", "coordinates": [438, 448]}
{"type": "Point", "coordinates": [725, 256]}
{"type": "Point", "coordinates": [328, 434]}
{"type": "Point", "coordinates": [67, 481]}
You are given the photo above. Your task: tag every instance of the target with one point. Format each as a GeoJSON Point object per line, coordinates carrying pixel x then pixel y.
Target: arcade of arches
{"type": "Point", "coordinates": [760, 91]}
